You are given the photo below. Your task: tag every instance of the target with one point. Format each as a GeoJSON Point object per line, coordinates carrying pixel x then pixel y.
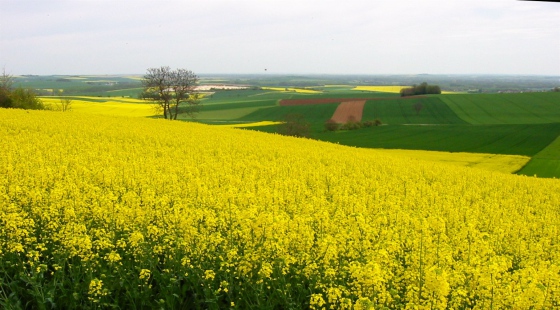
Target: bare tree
{"type": "Point", "coordinates": [65, 104]}
{"type": "Point", "coordinates": [6, 81]}
{"type": "Point", "coordinates": [170, 90]}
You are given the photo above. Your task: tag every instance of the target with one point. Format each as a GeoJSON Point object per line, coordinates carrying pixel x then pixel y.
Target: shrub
{"type": "Point", "coordinates": [5, 100]}
{"type": "Point", "coordinates": [294, 125]}
{"type": "Point", "coordinates": [331, 125]}
{"type": "Point", "coordinates": [421, 89]}
{"type": "Point", "coordinates": [21, 98]}
{"type": "Point", "coordinates": [375, 122]}
{"type": "Point", "coordinates": [351, 124]}
{"type": "Point", "coordinates": [368, 124]}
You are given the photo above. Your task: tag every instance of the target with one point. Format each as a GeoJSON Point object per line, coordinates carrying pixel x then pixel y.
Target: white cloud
{"type": "Point", "coordinates": [389, 36]}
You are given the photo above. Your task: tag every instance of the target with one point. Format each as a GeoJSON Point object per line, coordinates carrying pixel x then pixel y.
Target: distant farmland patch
{"type": "Point", "coordinates": [526, 108]}
{"type": "Point", "coordinates": [525, 139]}
{"type": "Point", "coordinates": [546, 164]}
{"type": "Point", "coordinates": [382, 89]}
{"type": "Point", "coordinates": [395, 89]}
{"type": "Point", "coordinates": [290, 102]}
{"type": "Point", "coordinates": [107, 106]}
{"type": "Point", "coordinates": [349, 111]}
{"type": "Point", "coordinates": [219, 86]}
{"type": "Point", "coordinates": [253, 124]}
{"type": "Point", "coordinates": [290, 89]}
{"type": "Point", "coordinates": [419, 110]}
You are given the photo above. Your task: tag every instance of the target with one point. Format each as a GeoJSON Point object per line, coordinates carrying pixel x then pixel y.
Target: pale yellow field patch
{"type": "Point", "coordinates": [134, 77]}
{"type": "Point", "coordinates": [381, 88]}
{"type": "Point", "coordinates": [109, 99]}
{"type": "Point", "coordinates": [134, 108]}
{"type": "Point", "coordinates": [290, 89]}
{"type": "Point", "coordinates": [391, 89]}
{"type": "Point", "coordinates": [489, 162]}
{"type": "Point", "coordinates": [255, 124]}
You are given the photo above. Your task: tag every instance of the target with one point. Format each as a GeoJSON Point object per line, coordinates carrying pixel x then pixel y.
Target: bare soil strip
{"type": "Point", "coordinates": [349, 111]}
{"type": "Point", "coordinates": [289, 102]}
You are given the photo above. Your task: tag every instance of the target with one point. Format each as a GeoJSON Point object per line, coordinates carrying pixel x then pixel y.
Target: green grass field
{"type": "Point", "coordinates": [232, 111]}
{"type": "Point", "coordinates": [432, 111]}
{"type": "Point", "coordinates": [494, 139]}
{"type": "Point", "coordinates": [315, 114]}
{"type": "Point", "coordinates": [546, 163]}
{"type": "Point", "coordinates": [524, 108]}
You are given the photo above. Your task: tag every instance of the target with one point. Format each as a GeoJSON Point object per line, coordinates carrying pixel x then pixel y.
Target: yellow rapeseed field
{"type": "Point", "coordinates": [115, 212]}
{"type": "Point", "coordinates": [381, 88]}
{"type": "Point", "coordinates": [492, 162]}
{"type": "Point", "coordinates": [253, 124]}
{"type": "Point", "coordinates": [107, 106]}
{"type": "Point", "coordinates": [390, 89]}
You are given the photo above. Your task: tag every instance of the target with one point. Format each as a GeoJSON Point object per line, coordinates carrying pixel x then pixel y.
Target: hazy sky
{"type": "Point", "coordinates": [301, 36]}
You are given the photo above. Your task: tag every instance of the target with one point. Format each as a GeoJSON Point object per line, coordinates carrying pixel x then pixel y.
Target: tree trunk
{"type": "Point", "coordinates": [176, 110]}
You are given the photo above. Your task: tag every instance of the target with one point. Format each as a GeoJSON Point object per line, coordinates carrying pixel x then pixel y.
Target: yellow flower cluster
{"type": "Point", "coordinates": [491, 162]}
{"type": "Point", "coordinates": [246, 218]}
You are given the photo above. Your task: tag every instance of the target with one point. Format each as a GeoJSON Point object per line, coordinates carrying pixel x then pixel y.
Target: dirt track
{"type": "Point", "coordinates": [349, 111]}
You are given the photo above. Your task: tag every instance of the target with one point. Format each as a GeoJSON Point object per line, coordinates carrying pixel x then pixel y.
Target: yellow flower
{"type": "Point", "coordinates": [145, 275]}
{"type": "Point", "coordinates": [209, 274]}
{"type": "Point", "coordinates": [96, 290]}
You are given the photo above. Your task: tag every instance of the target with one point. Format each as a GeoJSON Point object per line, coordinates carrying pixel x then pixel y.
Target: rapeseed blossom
{"type": "Point", "coordinates": [99, 211]}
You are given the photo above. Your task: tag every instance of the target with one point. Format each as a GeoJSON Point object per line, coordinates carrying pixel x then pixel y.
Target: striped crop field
{"type": "Point", "coordinates": [526, 108]}
{"type": "Point", "coordinates": [546, 163]}
{"type": "Point", "coordinates": [525, 140]}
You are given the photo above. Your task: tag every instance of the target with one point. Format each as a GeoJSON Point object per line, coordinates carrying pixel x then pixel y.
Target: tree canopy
{"type": "Point", "coordinates": [171, 89]}
{"type": "Point", "coordinates": [421, 89]}
{"type": "Point", "coordinates": [19, 98]}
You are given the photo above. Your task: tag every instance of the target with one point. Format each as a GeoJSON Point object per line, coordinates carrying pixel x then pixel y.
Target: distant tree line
{"type": "Point", "coordinates": [421, 89]}
{"type": "Point", "coordinates": [18, 98]}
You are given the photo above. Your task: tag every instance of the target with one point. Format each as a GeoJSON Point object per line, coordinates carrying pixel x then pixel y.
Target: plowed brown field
{"type": "Point", "coordinates": [349, 111]}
